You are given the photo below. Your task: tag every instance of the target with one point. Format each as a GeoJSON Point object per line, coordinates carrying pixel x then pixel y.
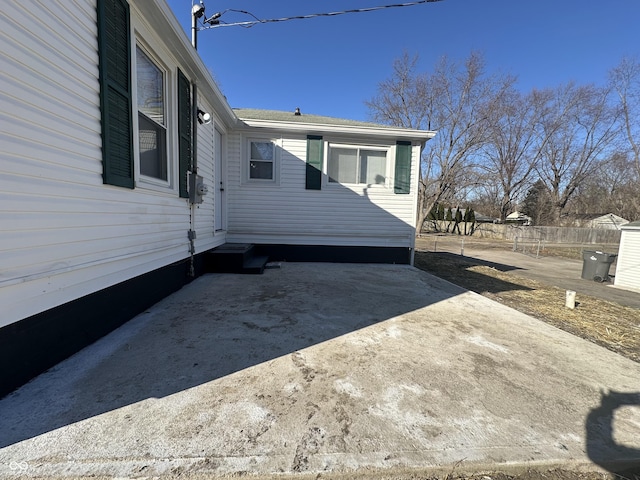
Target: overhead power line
{"type": "Point", "coordinates": [215, 22]}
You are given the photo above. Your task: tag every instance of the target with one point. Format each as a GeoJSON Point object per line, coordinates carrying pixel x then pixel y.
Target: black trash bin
{"type": "Point", "coordinates": [595, 265]}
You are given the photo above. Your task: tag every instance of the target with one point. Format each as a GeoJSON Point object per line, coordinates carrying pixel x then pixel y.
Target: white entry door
{"type": "Point", "coordinates": [219, 180]}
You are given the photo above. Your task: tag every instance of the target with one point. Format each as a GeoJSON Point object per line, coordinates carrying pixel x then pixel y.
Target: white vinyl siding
{"type": "Point", "coordinates": [628, 262]}
{"type": "Point", "coordinates": [358, 215]}
{"type": "Point", "coordinates": [64, 233]}
{"type": "Point", "coordinates": [205, 211]}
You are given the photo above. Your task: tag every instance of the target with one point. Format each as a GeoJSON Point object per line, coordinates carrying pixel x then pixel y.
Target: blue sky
{"type": "Point", "coordinates": [330, 66]}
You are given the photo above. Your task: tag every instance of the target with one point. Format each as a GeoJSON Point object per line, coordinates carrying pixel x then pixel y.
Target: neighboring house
{"type": "Point", "coordinates": [628, 262]}
{"type": "Point", "coordinates": [482, 218]}
{"type": "Point", "coordinates": [609, 221]}
{"type": "Point", "coordinates": [519, 218]}
{"type": "Point", "coordinates": [105, 147]}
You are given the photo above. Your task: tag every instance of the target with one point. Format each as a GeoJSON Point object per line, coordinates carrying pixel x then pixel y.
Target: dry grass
{"type": "Point", "coordinates": [608, 324]}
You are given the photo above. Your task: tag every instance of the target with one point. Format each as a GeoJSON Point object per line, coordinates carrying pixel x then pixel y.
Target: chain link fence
{"type": "Point", "coordinates": [542, 248]}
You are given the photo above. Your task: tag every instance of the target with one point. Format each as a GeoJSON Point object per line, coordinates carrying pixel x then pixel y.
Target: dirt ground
{"type": "Point", "coordinates": [605, 323]}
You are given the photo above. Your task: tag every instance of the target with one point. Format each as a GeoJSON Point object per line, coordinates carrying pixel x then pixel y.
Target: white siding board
{"type": "Point", "coordinates": [65, 24]}
{"type": "Point", "coordinates": [628, 262]}
{"type": "Point", "coordinates": [43, 220]}
{"type": "Point", "coordinates": [79, 169]}
{"type": "Point", "coordinates": [28, 57]}
{"type": "Point", "coordinates": [137, 204]}
{"type": "Point", "coordinates": [44, 238]}
{"type": "Point", "coordinates": [37, 295]}
{"type": "Point", "coordinates": [40, 107]}
{"type": "Point", "coordinates": [37, 184]}
{"type": "Point", "coordinates": [205, 212]}
{"type": "Point", "coordinates": [332, 240]}
{"type": "Point", "coordinates": [71, 24]}
{"type": "Point", "coordinates": [335, 215]}
{"type": "Point", "coordinates": [22, 263]}
{"type": "Point", "coordinates": [27, 132]}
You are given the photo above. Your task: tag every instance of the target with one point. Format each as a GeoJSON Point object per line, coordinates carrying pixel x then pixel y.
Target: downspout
{"type": "Point", "coordinates": [416, 230]}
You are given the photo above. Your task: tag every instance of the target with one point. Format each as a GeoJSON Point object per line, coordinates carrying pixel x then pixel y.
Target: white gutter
{"type": "Point", "coordinates": [159, 12]}
{"type": "Point", "coordinates": [390, 132]}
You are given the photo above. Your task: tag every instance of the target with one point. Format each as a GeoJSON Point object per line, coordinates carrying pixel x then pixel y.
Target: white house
{"type": "Point", "coordinates": [107, 153]}
{"type": "Point", "coordinates": [608, 221]}
{"type": "Point", "coordinates": [518, 217]}
{"type": "Point", "coordinates": [628, 262]}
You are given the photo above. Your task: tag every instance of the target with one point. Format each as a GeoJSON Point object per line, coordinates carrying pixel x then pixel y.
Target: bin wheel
{"type": "Point", "coordinates": [598, 279]}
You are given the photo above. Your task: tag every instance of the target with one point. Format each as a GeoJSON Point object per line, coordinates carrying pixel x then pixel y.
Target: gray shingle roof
{"type": "Point", "coordinates": [280, 116]}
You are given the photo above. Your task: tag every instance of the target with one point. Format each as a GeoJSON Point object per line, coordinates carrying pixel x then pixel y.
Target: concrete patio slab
{"type": "Point", "coordinates": [324, 368]}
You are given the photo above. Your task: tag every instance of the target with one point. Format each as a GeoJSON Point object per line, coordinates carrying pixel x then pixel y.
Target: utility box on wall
{"type": "Point", "coordinates": [197, 188]}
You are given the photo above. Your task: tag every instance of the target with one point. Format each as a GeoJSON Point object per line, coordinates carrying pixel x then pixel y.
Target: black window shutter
{"type": "Point", "coordinates": [185, 146]}
{"type": "Point", "coordinates": [114, 51]}
{"type": "Point", "coordinates": [402, 182]}
{"type": "Point", "coordinates": [315, 154]}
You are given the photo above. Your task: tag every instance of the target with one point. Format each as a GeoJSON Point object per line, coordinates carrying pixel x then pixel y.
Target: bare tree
{"type": "Point", "coordinates": [486, 199]}
{"type": "Point", "coordinates": [615, 189]}
{"type": "Point", "coordinates": [455, 99]}
{"type": "Point", "coordinates": [578, 125]}
{"type": "Point", "coordinates": [625, 80]}
{"type": "Point", "coordinates": [514, 147]}
{"type": "Point", "coordinates": [402, 99]}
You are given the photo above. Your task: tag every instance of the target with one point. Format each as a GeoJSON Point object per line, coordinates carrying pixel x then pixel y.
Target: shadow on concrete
{"type": "Point", "coordinates": [602, 447]}
{"type": "Point", "coordinates": [457, 269]}
{"type": "Point", "coordinates": [217, 325]}
{"type": "Point", "coordinates": [203, 339]}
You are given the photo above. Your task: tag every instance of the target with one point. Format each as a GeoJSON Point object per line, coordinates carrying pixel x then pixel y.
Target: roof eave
{"type": "Point", "coordinates": [159, 14]}
{"type": "Point", "coordinates": [631, 226]}
{"type": "Point", "coordinates": [310, 127]}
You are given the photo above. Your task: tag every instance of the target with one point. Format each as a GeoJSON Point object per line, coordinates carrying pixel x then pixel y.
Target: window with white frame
{"type": "Point", "coordinates": [262, 160]}
{"type": "Point", "coordinates": [152, 118]}
{"type": "Point", "coordinates": [357, 165]}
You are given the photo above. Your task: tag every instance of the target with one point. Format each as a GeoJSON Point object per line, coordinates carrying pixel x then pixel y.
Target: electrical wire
{"type": "Point", "coordinates": [251, 23]}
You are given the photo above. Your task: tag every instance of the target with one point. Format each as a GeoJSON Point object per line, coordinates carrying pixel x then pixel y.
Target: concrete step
{"type": "Point", "coordinates": [255, 265]}
{"type": "Point", "coordinates": [235, 258]}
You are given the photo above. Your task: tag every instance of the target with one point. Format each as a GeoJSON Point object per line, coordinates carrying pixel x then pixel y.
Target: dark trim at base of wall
{"type": "Point", "coordinates": [33, 345]}
{"type": "Point", "coordinates": [336, 254]}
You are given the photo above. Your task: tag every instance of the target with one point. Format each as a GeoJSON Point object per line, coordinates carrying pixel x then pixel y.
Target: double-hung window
{"type": "Point", "coordinates": [152, 118]}
{"type": "Point", "coordinates": [136, 85]}
{"type": "Point", "coordinates": [357, 165]}
{"type": "Point", "coordinates": [262, 158]}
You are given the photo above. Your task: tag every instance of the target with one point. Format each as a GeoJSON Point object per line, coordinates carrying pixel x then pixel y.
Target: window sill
{"type": "Point", "coordinates": [359, 186]}
{"type": "Point", "coordinates": [148, 183]}
{"type": "Point", "coordinates": [254, 182]}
